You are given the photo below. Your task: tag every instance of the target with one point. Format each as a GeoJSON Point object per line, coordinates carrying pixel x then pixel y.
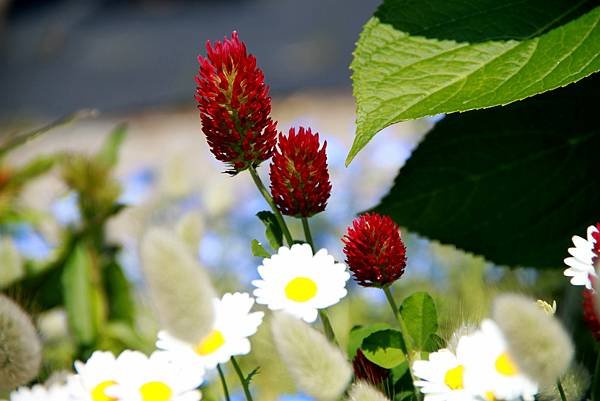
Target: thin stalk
{"type": "Point", "coordinates": [265, 193]}
{"type": "Point", "coordinates": [307, 234]}
{"type": "Point", "coordinates": [596, 379]}
{"type": "Point", "coordinates": [223, 382]}
{"type": "Point", "coordinates": [404, 333]}
{"type": "Point", "coordinates": [327, 328]}
{"type": "Point", "coordinates": [243, 381]}
{"type": "Point", "coordinates": [561, 390]}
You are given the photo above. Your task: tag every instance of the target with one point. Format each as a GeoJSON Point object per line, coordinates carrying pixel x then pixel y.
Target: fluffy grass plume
{"type": "Point", "coordinates": [318, 368]}
{"type": "Point", "coordinates": [575, 383]}
{"type": "Point", "coordinates": [20, 347]}
{"type": "Point", "coordinates": [180, 288]}
{"type": "Point", "coordinates": [537, 341]}
{"type": "Point", "coordinates": [363, 391]}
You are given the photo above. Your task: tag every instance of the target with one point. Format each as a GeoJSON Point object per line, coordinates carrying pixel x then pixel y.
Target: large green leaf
{"type": "Point", "coordinates": [359, 333]}
{"type": "Point", "coordinates": [385, 348]}
{"type": "Point", "coordinates": [510, 183]}
{"type": "Point", "coordinates": [420, 318]}
{"type": "Point", "coordinates": [419, 58]}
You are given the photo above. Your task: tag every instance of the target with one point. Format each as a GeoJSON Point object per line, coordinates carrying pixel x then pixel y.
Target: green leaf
{"type": "Point", "coordinates": [420, 317]}
{"type": "Point", "coordinates": [510, 183]}
{"type": "Point", "coordinates": [258, 250]}
{"type": "Point", "coordinates": [419, 58]}
{"type": "Point", "coordinates": [78, 293]}
{"type": "Point", "coordinates": [273, 231]}
{"type": "Point", "coordinates": [384, 348]}
{"type": "Point", "coordinates": [109, 154]}
{"type": "Point", "coordinates": [433, 343]}
{"type": "Point", "coordinates": [118, 293]}
{"type": "Point", "coordinates": [359, 333]}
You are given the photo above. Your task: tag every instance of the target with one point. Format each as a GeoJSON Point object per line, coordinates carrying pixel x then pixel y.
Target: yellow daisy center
{"type": "Point", "coordinates": [210, 343]}
{"type": "Point", "coordinates": [301, 289]}
{"type": "Point", "coordinates": [505, 365]}
{"type": "Point", "coordinates": [489, 395]}
{"type": "Point", "coordinates": [98, 393]}
{"type": "Point", "coordinates": [454, 377]}
{"type": "Point", "coordinates": [155, 391]}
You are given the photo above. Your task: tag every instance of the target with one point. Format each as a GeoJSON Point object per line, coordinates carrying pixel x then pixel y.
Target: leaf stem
{"type": "Point", "coordinates": [265, 193]}
{"type": "Point", "coordinates": [223, 382]}
{"type": "Point", "coordinates": [561, 390]}
{"type": "Point", "coordinates": [243, 380]}
{"type": "Point", "coordinates": [307, 234]}
{"type": "Point", "coordinates": [327, 327]}
{"type": "Point", "coordinates": [596, 379]}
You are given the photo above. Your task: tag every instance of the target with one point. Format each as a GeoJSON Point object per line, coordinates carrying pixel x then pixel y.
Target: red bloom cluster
{"type": "Point", "coordinates": [235, 105]}
{"type": "Point", "coordinates": [299, 177]}
{"type": "Point", "coordinates": [590, 315]}
{"type": "Point", "coordinates": [596, 237]}
{"type": "Point", "coordinates": [374, 250]}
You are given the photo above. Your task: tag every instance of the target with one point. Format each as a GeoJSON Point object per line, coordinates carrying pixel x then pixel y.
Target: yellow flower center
{"type": "Point", "coordinates": [155, 391]}
{"type": "Point", "coordinates": [454, 377]}
{"type": "Point", "coordinates": [301, 289]}
{"type": "Point", "coordinates": [210, 343]}
{"type": "Point", "coordinates": [489, 395]}
{"type": "Point", "coordinates": [505, 365]}
{"type": "Point", "coordinates": [98, 393]}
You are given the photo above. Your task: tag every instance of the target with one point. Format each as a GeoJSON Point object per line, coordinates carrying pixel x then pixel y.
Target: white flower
{"type": "Point", "coordinates": [232, 326]}
{"type": "Point", "coordinates": [300, 283]}
{"type": "Point", "coordinates": [444, 377]}
{"type": "Point", "coordinates": [95, 377]}
{"type": "Point", "coordinates": [485, 353]}
{"type": "Point", "coordinates": [56, 392]}
{"type": "Point", "coordinates": [156, 378]}
{"type": "Point", "coordinates": [581, 262]}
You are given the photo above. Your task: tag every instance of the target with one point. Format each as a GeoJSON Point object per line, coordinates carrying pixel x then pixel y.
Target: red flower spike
{"type": "Point", "coordinates": [367, 370]}
{"type": "Point", "coordinates": [234, 105]}
{"type": "Point", "coordinates": [590, 315]}
{"type": "Point", "coordinates": [374, 250]}
{"type": "Point", "coordinates": [596, 237]}
{"type": "Point", "coordinates": [299, 177]}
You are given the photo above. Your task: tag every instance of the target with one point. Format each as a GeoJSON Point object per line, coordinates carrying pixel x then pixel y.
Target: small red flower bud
{"type": "Point", "coordinates": [234, 105]}
{"type": "Point", "coordinates": [374, 250]}
{"type": "Point", "coordinates": [299, 177]}
{"type": "Point", "coordinates": [367, 370]}
{"type": "Point", "coordinates": [590, 315]}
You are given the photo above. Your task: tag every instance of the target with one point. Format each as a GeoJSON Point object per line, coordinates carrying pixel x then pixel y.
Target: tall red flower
{"type": "Point", "coordinates": [590, 314]}
{"type": "Point", "coordinates": [234, 105]}
{"type": "Point", "coordinates": [299, 177]}
{"type": "Point", "coordinates": [374, 250]}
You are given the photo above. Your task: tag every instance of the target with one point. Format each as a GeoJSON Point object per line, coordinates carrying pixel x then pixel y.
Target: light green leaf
{"type": "Point", "coordinates": [359, 333]}
{"type": "Point", "coordinates": [420, 317]}
{"type": "Point", "coordinates": [419, 58]}
{"type": "Point", "coordinates": [258, 250]}
{"type": "Point", "coordinates": [272, 229]}
{"type": "Point", "coordinates": [109, 154]}
{"type": "Point", "coordinates": [11, 264]}
{"type": "Point", "coordinates": [384, 348]}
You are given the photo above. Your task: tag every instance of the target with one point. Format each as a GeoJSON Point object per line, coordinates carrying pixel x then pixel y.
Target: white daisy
{"type": "Point", "coordinates": [485, 353]}
{"type": "Point", "coordinates": [444, 377]}
{"type": "Point", "coordinates": [300, 283]}
{"type": "Point", "coordinates": [583, 256]}
{"type": "Point", "coordinates": [56, 392]}
{"type": "Point", "coordinates": [95, 377]}
{"type": "Point", "coordinates": [233, 325]}
{"type": "Point", "coordinates": [156, 378]}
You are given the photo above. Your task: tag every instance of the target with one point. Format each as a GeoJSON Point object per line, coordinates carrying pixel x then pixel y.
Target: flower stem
{"type": "Point", "coordinates": [307, 234]}
{"type": "Point", "coordinates": [243, 381]}
{"type": "Point", "coordinates": [561, 390]}
{"type": "Point", "coordinates": [404, 332]}
{"type": "Point", "coordinates": [223, 382]}
{"type": "Point", "coordinates": [596, 379]}
{"type": "Point", "coordinates": [327, 326]}
{"type": "Point", "coordinates": [265, 193]}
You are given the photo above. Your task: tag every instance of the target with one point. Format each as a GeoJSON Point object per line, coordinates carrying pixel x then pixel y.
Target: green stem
{"type": "Point", "coordinates": [596, 380]}
{"type": "Point", "coordinates": [561, 390]}
{"type": "Point", "coordinates": [307, 233]}
{"type": "Point", "coordinates": [223, 382]}
{"type": "Point", "coordinates": [404, 333]}
{"type": "Point", "coordinates": [327, 326]}
{"type": "Point", "coordinates": [243, 381]}
{"type": "Point", "coordinates": [265, 193]}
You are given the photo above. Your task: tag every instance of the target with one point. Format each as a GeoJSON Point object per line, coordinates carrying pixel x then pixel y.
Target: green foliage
{"type": "Point", "coordinates": [259, 250]}
{"type": "Point", "coordinates": [359, 333]}
{"type": "Point", "coordinates": [419, 58]}
{"type": "Point", "coordinates": [109, 154]}
{"type": "Point", "coordinates": [272, 229]}
{"type": "Point", "coordinates": [420, 319]}
{"type": "Point", "coordinates": [512, 184]}
{"type": "Point", "coordinates": [118, 291]}
{"type": "Point", "coordinates": [385, 348]}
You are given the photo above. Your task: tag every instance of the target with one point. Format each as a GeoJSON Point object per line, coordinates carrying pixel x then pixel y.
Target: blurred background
{"type": "Point", "coordinates": [134, 62]}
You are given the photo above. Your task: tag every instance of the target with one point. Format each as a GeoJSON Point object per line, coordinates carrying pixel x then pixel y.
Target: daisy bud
{"type": "Point", "coordinates": [318, 368]}
{"type": "Point", "coordinates": [299, 177]}
{"type": "Point", "coordinates": [590, 314]}
{"type": "Point", "coordinates": [374, 250]}
{"type": "Point", "coordinates": [20, 347]}
{"type": "Point", "coordinates": [537, 341]}
{"type": "Point", "coordinates": [363, 391]}
{"type": "Point", "coordinates": [575, 384]}
{"type": "Point", "coordinates": [234, 105]}
{"type": "Point", "coordinates": [180, 289]}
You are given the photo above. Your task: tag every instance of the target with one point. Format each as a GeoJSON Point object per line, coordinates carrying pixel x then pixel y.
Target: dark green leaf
{"type": "Point", "coordinates": [384, 348]}
{"type": "Point", "coordinates": [359, 333]}
{"type": "Point", "coordinates": [420, 318]}
{"type": "Point", "coordinates": [118, 292]}
{"type": "Point", "coordinates": [258, 250]}
{"type": "Point", "coordinates": [512, 184]}
{"type": "Point", "coordinates": [418, 58]}
{"type": "Point", "coordinates": [433, 343]}
{"type": "Point", "coordinates": [272, 229]}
